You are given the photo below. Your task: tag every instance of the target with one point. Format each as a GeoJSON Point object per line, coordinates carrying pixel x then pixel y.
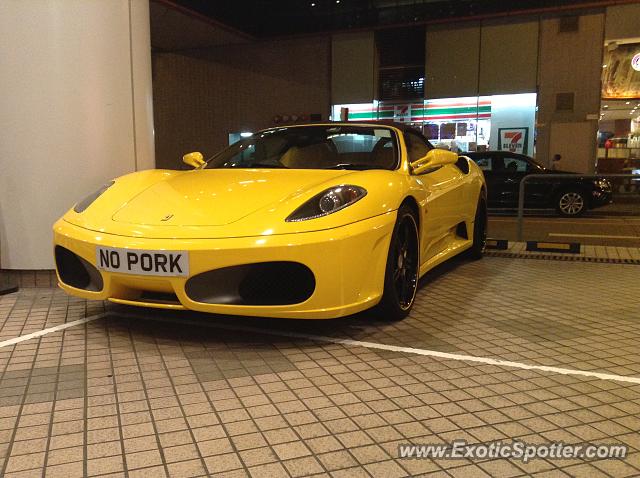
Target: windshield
{"type": "Point", "coordinates": [536, 164]}
{"type": "Point", "coordinates": [313, 147]}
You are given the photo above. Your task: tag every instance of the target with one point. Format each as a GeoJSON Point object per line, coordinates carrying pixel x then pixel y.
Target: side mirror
{"type": "Point", "coordinates": [434, 159]}
{"type": "Point", "coordinates": [195, 159]}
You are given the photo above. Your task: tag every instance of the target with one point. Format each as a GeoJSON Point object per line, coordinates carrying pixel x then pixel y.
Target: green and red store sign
{"type": "Point", "coordinates": [427, 111]}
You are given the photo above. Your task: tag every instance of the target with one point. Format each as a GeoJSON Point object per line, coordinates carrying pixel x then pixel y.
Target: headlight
{"type": "Point", "coordinates": [328, 202]}
{"type": "Point", "coordinates": [86, 202]}
{"type": "Point", "coordinates": [603, 184]}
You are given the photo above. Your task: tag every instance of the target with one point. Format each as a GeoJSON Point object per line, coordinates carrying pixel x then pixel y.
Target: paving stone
{"type": "Point", "coordinates": [158, 398]}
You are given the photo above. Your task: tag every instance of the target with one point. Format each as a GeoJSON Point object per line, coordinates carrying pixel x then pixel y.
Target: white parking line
{"type": "Point", "coordinates": [335, 340]}
{"type": "Point", "coordinates": [409, 350]}
{"type": "Point", "coordinates": [50, 330]}
{"type": "Point", "coordinates": [596, 236]}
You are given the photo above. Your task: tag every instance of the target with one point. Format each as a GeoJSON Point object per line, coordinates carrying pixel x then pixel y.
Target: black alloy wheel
{"type": "Point", "coordinates": [403, 268]}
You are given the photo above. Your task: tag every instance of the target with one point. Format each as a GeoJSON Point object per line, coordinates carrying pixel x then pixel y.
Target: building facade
{"type": "Point", "coordinates": [530, 84]}
{"type": "Point", "coordinates": [536, 84]}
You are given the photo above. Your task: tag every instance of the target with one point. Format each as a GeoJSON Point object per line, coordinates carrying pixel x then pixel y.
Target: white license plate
{"type": "Point", "coordinates": [143, 262]}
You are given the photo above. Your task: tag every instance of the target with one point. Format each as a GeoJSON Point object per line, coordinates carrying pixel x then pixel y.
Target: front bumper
{"type": "Point", "coordinates": [601, 197]}
{"type": "Point", "coordinates": [348, 264]}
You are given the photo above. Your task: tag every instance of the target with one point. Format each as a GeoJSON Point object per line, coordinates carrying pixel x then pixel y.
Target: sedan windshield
{"type": "Point", "coordinates": [313, 147]}
{"type": "Point", "coordinates": [536, 164]}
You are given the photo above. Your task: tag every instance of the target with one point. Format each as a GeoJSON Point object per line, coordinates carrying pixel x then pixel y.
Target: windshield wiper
{"type": "Point", "coordinates": [356, 167]}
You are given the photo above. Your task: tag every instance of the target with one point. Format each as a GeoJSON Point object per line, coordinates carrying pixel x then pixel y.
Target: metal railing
{"type": "Point", "coordinates": [552, 176]}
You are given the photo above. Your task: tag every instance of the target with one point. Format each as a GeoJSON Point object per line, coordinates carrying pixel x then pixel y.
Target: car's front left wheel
{"type": "Point", "coordinates": [403, 268]}
{"type": "Point", "coordinates": [571, 203]}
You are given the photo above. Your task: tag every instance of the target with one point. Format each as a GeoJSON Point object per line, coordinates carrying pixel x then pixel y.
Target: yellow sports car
{"type": "Point", "coordinates": [311, 221]}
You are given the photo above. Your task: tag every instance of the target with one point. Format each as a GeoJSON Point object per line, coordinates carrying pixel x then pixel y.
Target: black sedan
{"type": "Point", "coordinates": [568, 196]}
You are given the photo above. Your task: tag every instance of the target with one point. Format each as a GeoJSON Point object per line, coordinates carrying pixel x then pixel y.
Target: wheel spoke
{"type": "Point", "coordinates": [405, 257]}
{"type": "Point", "coordinates": [404, 243]}
{"type": "Point", "coordinates": [571, 203]}
{"type": "Point", "coordinates": [405, 289]}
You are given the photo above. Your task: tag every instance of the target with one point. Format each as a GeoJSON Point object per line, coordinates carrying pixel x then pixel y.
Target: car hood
{"type": "Point", "coordinates": [221, 203]}
{"type": "Point", "coordinates": [216, 197]}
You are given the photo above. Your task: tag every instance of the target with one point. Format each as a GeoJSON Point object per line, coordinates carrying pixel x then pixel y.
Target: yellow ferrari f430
{"type": "Point", "coordinates": [308, 221]}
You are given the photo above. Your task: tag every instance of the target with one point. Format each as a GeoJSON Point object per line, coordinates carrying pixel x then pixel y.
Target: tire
{"type": "Point", "coordinates": [571, 203]}
{"type": "Point", "coordinates": [476, 251]}
{"type": "Point", "coordinates": [403, 268]}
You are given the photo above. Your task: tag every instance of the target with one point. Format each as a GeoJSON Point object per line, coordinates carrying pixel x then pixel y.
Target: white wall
{"type": "Point", "coordinates": [513, 111]}
{"type": "Point", "coordinates": [71, 72]}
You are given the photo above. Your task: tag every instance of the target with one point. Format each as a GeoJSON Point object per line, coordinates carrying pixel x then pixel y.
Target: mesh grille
{"type": "Point", "coordinates": [266, 283]}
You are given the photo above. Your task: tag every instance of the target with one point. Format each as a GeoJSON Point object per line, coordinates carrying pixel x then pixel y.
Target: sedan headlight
{"type": "Point", "coordinates": [327, 202]}
{"type": "Point", "coordinates": [86, 202]}
{"type": "Point", "coordinates": [603, 184]}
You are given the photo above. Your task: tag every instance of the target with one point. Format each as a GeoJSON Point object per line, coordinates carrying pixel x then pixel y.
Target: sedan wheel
{"type": "Point", "coordinates": [403, 265]}
{"type": "Point", "coordinates": [571, 203]}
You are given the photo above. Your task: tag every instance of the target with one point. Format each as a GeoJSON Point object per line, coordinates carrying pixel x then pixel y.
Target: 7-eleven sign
{"type": "Point", "coordinates": [514, 140]}
{"type": "Point", "coordinates": [402, 113]}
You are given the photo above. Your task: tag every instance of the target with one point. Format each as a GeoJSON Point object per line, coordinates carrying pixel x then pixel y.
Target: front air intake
{"type": "Point", "coordinates": [264, 283]}
{"type": "Point", "coordinates": [77, 272]}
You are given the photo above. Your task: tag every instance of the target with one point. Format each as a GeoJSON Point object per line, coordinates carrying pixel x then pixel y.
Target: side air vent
{"type": "Point", "coordinates": [461, 230]}
{"type": "Point", "coordinates": [463, 164]}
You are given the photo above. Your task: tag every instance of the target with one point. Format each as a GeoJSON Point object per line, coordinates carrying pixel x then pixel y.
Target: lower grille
{"type": "Point", "coordinates": [77, 272]}
{"type": "Point", "coordinates": [159, 297]}
{"type": "Point", "coordinates": [265, 283]}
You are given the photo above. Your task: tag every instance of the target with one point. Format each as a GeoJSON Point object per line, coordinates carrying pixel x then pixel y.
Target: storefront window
{"type": "Point", "coordinates": [621, 71]}
{"type": "Point", "coordinates": [355, 112]}
{"type": "Point", "coordinates": [460, 124]}
{"type": "Point", "coordinates": [619, 125]}
{"type": "Point", "coordinates": [477, 123]}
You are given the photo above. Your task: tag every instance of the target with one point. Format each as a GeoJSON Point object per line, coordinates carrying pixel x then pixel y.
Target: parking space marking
{"type": "Point", "coordinates": [50, 330]}
{"type": "Point", "coordinates": [333, 340]}
{"type": "Point", "coordinates": [396, 348]}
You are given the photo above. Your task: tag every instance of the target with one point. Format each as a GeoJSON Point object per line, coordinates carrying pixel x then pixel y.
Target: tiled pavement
{"type": "Point", "coordinates": [121, 396]}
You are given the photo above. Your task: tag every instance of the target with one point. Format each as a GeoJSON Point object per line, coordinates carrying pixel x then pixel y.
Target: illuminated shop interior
{"type": "Point", "coordinates": [475, 123]}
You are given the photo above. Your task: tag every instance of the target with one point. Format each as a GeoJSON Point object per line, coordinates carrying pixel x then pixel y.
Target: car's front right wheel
{"type": "Point", "coordinates": [403, 268]}
{"type": "Point", "coordinates": [476, 251]}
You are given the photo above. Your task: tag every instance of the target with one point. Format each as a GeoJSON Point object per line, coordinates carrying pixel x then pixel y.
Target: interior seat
{"type": "Point", "coordinates": [382, 155]}
{"type": "Point", "coordinates": [313, 156]}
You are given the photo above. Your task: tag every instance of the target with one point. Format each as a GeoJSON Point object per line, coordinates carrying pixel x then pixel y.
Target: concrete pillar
{"type": "Point", "coordinates": [75, 111]}
{"type": "Point", "coordinates": [353, 70]}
